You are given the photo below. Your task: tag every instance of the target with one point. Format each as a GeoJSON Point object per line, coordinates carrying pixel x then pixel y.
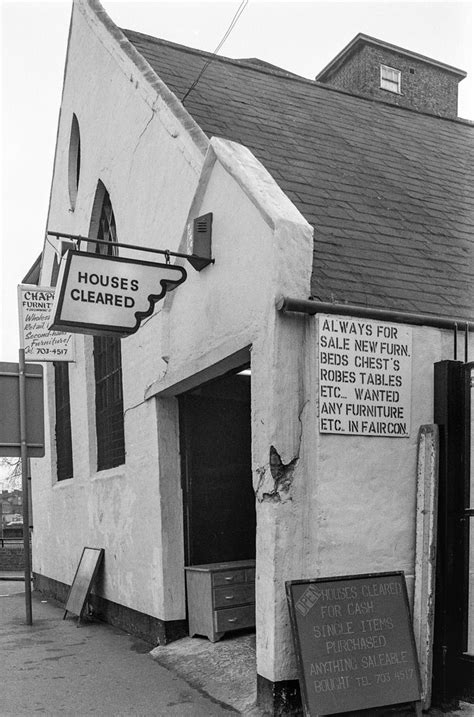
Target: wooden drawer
{"type": "Point", "coordinates": [234, 618]}
{"type": "Point", "coordinates": [228, 577]}
{"type": "Point", "coordinates": [220, 597]}
{"type": "Point", "coordinates": [229, 595]}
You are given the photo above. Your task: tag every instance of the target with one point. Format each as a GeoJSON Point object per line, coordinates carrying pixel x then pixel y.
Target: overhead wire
{"type": "Point", "coordinates": [233, 23]}
{"type": "Point", "coordinates": [55, 248]}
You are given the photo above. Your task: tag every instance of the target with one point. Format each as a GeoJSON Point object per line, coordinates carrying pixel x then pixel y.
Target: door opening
{"type": "Point", "coordinates": [218, 497]}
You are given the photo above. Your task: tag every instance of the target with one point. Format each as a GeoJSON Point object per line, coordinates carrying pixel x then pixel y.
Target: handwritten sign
{"type": "Point", "coordinates": [34, 307]}
{"type": "Point", "coordinates": [354, 642]}
{"type": "Point", "coordinates": [364, 377]}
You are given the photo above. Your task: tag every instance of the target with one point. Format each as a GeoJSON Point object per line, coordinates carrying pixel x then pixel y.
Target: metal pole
{"type": "Point", "coordinates": [152, 250]}
{"type": "Point", "coordinates": [24, 483]}
{"type": "Point", "coordinates": [312, 307]}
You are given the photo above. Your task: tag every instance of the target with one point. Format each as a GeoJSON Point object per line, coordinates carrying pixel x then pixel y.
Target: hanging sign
{"type": "Point", "coordinates": [354, 642]}
{"type": "Point", "coordinates": [109, 295]}
{"type": "Point", "coordinates": [364, 377]}
{"type": "Point", "coordinates": [34, 309]}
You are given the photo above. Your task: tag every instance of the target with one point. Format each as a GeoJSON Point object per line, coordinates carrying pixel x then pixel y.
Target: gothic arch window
{"type": "Point", "coordinates": [107, 353]}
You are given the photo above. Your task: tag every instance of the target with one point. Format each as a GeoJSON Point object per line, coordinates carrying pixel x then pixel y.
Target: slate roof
{"type": "Point", "coordinates": [387, 190]}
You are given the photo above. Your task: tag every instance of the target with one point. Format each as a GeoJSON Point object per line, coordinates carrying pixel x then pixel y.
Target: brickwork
{"type": "Point", "coordinates": [12, 559]}
{"type": "Point", "coordinates": [424, 87]}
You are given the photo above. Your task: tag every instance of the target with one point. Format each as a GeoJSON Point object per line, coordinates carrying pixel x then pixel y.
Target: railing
{"type": "Point", "coordinates": [11, 542]}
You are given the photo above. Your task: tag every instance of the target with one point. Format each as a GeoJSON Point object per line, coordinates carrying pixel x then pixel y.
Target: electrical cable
{"type": "Point", "coordinates": [56, 248]}
{"type": "Point", "coordinates": [233, 23]}
{"type": "Point", "coordinates": [51, 244]}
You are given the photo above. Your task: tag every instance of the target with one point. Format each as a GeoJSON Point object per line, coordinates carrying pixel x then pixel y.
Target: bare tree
{"type": "Point", "coordinates": [10, 469]}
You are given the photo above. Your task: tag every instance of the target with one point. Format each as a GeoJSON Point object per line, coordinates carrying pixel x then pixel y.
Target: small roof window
{"type": "Point", "coordinates": [390, 79]}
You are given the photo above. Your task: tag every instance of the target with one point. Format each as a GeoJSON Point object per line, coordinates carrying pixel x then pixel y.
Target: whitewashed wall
{"type": "Point", "coordinates": [351, 505]}
{"type": "Point", "coordinates": [341, 504]}
{"type": "Point", "coordinates": [139, 148]}
{"type": "Point", "coordinates": [156, 177]}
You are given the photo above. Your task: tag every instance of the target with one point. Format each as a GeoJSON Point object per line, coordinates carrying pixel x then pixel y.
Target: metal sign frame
{"type": "Point", "coordinates": [86, 573]}
{"type": "Point", "coordinates": [197, 261]}
{"type": "Point", "coordinates": [26, 408]}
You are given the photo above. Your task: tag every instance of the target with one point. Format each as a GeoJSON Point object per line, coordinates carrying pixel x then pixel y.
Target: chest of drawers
{"type": "Point", "coordinates": [221, 597]}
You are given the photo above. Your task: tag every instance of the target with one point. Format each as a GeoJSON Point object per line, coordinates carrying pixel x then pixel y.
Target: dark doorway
{"type": "Point", "coordinates": [219, 501]}
{"type": "Point", "coordinates": [453, 650]}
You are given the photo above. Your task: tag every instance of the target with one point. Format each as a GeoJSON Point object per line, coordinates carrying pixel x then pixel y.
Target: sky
{"type": "Point", "coordinates": [299, 36]}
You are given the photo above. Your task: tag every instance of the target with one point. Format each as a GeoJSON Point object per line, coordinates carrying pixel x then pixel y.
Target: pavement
{"type": "Point", "coordinates": [225, 669]}
{"type": "Point", "coordinates": [55, 668]}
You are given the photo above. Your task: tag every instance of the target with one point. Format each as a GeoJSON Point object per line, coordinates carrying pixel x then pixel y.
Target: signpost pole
{"type": "Point", "coordinates": [24, 482]}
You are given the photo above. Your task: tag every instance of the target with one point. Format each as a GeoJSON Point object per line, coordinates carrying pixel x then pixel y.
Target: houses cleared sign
{"type": "Point", "coordinates": [364, 377]}
{"type": "Point", "coordinates": [100, 294]}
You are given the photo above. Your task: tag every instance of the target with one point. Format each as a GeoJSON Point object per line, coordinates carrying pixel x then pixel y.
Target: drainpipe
{"type": "Point", "coordinates": [308, 306]}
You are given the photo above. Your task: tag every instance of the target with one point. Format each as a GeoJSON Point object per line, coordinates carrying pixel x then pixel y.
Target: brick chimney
{"type": "Point", "coordinates": [376, 69]}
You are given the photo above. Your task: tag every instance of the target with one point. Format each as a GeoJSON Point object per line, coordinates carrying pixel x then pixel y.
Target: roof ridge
{"type": "Point", "coordinates": [286, 74]}
{"type": "Point", "coordinates": [222, 58]}
{"type": "Point", "coordinates": [362, 38]}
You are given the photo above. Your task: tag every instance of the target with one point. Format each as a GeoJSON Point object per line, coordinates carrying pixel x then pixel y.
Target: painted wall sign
{"type": "Point", "coordinates": [354, 642]}
{"type": "Point", "coordinates": [364, 377]}
{"type": "Point", "coordinates": [100, 294]}
{"type": "Point", "coordinates": [35, 304]}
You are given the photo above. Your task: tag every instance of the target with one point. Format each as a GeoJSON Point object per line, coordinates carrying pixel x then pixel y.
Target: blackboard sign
{"type": "Point", "coordinates": [83, 579]}
{"type": "Point", "coordinates": [354, 642]}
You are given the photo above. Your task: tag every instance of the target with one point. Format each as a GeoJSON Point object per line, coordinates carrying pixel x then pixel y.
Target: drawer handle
{"type": "Point", "coordinates": [232, 619]}
{"type": "Point", "coordinates": [229, 578]}
{"type": "Point", "coordinates": [229, 597]}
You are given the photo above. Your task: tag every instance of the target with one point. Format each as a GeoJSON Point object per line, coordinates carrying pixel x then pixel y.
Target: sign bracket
{"type": "Point", "coordinates": [197, 262]}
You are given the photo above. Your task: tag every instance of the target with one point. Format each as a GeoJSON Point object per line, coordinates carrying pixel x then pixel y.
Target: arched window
{"type": "Point", "coordinates": [74, 165]}
{"type": "Point", "coordinates": [107, 354]}
{"type": "Point", "coordinates": [64, 465]}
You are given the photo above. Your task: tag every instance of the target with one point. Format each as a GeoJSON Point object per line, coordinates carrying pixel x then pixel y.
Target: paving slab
{"type": "Point", "coordinates": [225, 669]}
{"type": "Point", "coordinates": [55, 668]}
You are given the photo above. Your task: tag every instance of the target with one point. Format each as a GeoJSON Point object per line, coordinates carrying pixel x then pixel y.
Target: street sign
{"type": "Point", "coordinates": [34, 309]}
{"type": "Point", "coordinates": [10, 424]}
{"type": "Point", "coordinates": [109, 295]}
